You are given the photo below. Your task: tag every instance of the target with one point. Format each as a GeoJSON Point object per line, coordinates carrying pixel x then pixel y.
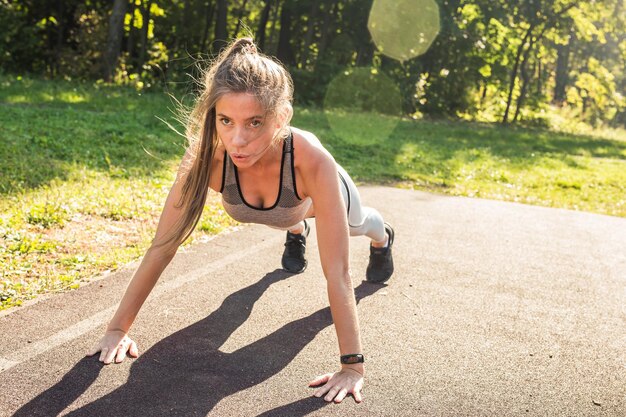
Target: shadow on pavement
{"type": "Point", "coordinates": [186, 375]}
{"type": "Point", "coordinates": [302, 407]}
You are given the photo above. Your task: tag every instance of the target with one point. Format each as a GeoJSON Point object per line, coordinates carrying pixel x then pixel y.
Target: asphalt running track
{"type": "Point", "coordinates": [495, 309]}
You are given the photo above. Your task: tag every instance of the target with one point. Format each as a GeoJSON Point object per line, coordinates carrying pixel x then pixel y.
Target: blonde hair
{"type": "Point", "coordinates": [239, 68]}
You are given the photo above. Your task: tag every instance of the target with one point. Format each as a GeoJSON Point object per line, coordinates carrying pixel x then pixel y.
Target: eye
{"type": "Point", "coordinates": [225, 121]}
{"type": "Point", "coordinates": [256, 123]}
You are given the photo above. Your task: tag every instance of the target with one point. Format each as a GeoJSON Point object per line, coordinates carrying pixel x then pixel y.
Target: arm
{"type": "Point", "coordinates": [333, 235]}
{"type": "Point", "coordinates": [115, 342]}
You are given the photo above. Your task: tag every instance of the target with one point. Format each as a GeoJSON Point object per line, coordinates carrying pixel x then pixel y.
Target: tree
{"type": "Point", "coordinates": [492, 60]}
{"type": "Point", "coordinates": [562, 69]}
{"type": "Point", "coordinates": [114, 39]}
{"type": "Point", "coordinates": [285, 52]}
{"type": "Point", "coordinates": [221, 33]}
{"type": "Point", "coordinates": [260, 33]}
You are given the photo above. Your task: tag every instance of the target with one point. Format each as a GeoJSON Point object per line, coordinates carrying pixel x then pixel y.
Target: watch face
{"type": "Point", "coordinates": [350, 359]}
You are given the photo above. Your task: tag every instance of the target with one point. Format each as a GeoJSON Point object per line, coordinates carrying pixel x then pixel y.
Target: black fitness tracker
{"type": "Point", "coordinates": [352, 359]}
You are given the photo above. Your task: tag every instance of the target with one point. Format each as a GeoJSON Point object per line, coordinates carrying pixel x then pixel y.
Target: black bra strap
{"type": "Point", "coordinates": [289, 142]}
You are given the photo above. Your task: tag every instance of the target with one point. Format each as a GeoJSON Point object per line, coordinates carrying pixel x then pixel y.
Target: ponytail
{"type": "Point", "coordinates": [239, 68]}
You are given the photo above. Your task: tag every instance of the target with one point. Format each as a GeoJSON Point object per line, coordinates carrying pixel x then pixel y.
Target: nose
{"type": "Point", "coordinates": [239, 138]}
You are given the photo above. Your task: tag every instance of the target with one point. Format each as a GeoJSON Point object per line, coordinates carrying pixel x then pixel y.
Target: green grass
{"type": "Point", "coordinates": [579, 172]}
{"type": "Point", "coordinates": [84, 171]}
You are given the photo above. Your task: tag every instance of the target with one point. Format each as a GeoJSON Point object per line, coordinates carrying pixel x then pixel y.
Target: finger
{"type": "Point", "coordinates": [134, 351]}
{"type": "Point", "coordinates": [322, 390]}
{"type": "Point", "coordinates": [103, 353]}
{"type": "Point", "coordinates": [121, 353]}
{"type": "Point", "coordinates": [322, 379]}
{"type": "Point", "coordinates": [331, 394]}
{"type": "Point", "coordinates": [109, 356]}
{"type": "Point", "coordinates": [341, 395]}
{"type": "Point", "coordinates": [357, 396]}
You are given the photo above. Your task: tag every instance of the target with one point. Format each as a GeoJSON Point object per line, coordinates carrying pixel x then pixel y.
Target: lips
{"type": "Point", "coordinates": [239, 157]}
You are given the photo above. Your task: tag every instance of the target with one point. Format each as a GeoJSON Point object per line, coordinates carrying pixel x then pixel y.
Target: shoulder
{"type": "Point", "coordinates": [314, 165]}
{"type": "Point", "coordinates": [309, 153]}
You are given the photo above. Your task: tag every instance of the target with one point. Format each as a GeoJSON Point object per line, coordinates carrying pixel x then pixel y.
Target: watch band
{"type": "Point", "coordinates": [352, 359]}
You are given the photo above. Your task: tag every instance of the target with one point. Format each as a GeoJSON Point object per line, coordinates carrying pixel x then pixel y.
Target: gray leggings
{"type": "Point", "coordinates": [362, 220]}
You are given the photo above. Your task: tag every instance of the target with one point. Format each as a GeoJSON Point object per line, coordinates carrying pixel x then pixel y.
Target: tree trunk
{"type": "Point", "coordinates": [284, 53]}
{"type": "Point", "coordinates": [540, 72]}
{"type": "Point", "coordinates": [221, 33]}
{"type": "Point", "coordinates": [363, 42]}
{"type": "Point", "coordinates": [130, 41]}
{"type": "Point", "coordinates": [518, 56]}
{"type": "Point", "coordinates": [144, 34]}
{"type": "Point", "coordinates": [60, 33]}
{"type": "Point", "coordinates": [210, 11]}
{"type": "Point", "coordinates": [260, 33]}
{"type": "Point", "coordinates": [483, 94]}
{"type": "Point", "coordinates": [114, 38]}
{"type": "Point", "coordinates": [525, 80]}
{"type": "Point", "coordinates": [562, 69]}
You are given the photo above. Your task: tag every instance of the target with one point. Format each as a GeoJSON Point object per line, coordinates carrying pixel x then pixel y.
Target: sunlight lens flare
{"type": "Point", "coordinates": [403, 29]}
{"type": "Point", "coordinates": [362, 105]}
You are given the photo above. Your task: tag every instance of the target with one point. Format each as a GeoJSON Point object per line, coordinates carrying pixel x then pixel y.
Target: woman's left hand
{"type": "Point", "coordinates": [339, 384]}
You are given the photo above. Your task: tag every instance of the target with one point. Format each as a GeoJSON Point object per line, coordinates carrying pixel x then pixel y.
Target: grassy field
{"type": "Point", "coordinates": [84, 171]}
{"type": "Point", "coordinates": [579, 172]}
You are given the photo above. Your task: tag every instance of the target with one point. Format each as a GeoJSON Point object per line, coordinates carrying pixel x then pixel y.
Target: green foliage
{"type": "Point", "coordinates": [489, 58]}
{"type": "Point", "coordinates": [18, 40]}
{"type": "Point", "coordinates": [47, 215]}
{"type": "Point", "coordinates": [25, 245]}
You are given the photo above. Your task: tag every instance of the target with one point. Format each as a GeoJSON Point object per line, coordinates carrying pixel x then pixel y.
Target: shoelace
{"type": "Point", "coordinates": [295, 244]}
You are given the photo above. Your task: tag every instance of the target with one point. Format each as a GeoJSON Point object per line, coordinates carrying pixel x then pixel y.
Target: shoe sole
{"type": "Point", "coordinates": [296, 272]}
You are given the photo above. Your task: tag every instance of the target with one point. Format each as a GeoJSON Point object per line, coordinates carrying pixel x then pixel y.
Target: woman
{"type": "Point", "coordinates": [241, 146]}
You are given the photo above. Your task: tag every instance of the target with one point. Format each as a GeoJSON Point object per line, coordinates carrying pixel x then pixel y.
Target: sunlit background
{"type": "Point", "coordinates": [403, 29]}
{"type": "Point", "coordinates": [400, 30]}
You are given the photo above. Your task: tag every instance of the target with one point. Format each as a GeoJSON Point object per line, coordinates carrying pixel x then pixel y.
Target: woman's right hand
{"type": "Point", "coordinates": [114, 344]}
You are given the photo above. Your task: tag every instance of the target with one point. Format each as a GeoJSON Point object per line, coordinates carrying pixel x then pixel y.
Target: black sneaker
{"type": "Point", "coordinates": [295, 247]}
{"type": "Point", "coordinates": [380, 267]}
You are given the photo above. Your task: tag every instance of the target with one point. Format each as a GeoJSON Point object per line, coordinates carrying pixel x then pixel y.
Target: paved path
{"type": "Point", "coordinates": [495, 309]}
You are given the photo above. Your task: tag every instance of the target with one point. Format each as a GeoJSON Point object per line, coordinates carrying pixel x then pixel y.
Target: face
{"type": "Point", "coordinates": [244, 128]}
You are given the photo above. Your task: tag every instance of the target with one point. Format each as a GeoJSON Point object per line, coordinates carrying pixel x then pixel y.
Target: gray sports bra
{"type": "Point", "coordinates": [288, 209]}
